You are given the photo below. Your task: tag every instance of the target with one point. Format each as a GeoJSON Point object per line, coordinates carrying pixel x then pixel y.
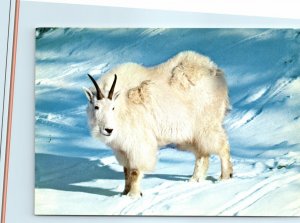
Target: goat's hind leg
{"type": "Point", "coordinates": [226, 166]}
{"type": "Point", "coordinates": [200, 169]}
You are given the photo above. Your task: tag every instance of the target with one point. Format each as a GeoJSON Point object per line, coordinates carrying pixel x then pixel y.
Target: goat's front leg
{"type": "Point", "coordinates": [201, 166]}
{"type": "Point", "coordinates": [127, 183]}
{"type": "Point", "coordinates": [134, 181]}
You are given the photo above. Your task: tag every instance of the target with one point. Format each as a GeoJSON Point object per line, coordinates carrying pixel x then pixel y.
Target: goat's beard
{"type": "Point", "coordinates": [96, 133]}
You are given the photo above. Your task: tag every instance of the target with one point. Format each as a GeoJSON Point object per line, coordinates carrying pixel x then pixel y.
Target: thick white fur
{"type": "Point", "coordinates": [182, 101]}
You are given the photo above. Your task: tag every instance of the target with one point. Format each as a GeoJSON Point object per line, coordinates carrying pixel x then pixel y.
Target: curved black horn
{"type": "Point", "coordinates": [99, 93]}
{"type": "Point", "coordinates": [111, 91]}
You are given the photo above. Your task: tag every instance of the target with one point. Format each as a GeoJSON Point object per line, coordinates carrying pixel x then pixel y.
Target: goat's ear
{"type": "Point", "coordinates": [88, 94]}
{"type": "Point", "coordinates": [116, 95]}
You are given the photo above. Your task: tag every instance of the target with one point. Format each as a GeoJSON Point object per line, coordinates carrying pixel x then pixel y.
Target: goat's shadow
{"type": "Point", "coordinates": [61, 173]}
{"type": "Point", "coordinates": [176, 177]}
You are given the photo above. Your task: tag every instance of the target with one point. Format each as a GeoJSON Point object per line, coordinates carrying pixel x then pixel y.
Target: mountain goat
{"type": "Point", "coordinates": [135, 110]}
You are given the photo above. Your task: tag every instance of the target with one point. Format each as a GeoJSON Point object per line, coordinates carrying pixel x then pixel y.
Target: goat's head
{"type": "Point", "coordinates": [101, 111]}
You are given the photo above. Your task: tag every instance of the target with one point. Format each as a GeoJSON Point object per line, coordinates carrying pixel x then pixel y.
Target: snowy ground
{"type": "Point", "coordinates": [78, 175]}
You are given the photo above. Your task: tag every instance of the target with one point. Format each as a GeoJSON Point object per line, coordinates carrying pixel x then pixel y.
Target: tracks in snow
{"type": "Point", "coordinates": [169, 193]}
{"type": "Point", "coordinates": [246, 198]}
{"type": "Point", "coordinates": [164, 194]}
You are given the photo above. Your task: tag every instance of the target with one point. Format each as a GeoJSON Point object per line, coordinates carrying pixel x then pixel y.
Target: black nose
{"type": "Point", "coordinates": [109, 130]}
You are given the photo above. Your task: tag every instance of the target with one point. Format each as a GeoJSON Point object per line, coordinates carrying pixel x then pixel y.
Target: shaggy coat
{"type": "Point", "coordinates": [182, 101]}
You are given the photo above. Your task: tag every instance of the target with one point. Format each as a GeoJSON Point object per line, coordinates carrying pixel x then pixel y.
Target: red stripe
{"type": "Point", "coordinates": [10, 110]}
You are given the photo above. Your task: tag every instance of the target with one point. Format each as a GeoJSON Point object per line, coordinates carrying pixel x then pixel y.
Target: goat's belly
{"type": "Point", "coordinates": [176, 135]}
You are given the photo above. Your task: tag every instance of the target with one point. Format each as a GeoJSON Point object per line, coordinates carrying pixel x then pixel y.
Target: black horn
{"type": "Point", "coordinates": [111, 91]}
{"type": "Point", "coordinates": [99, 93]}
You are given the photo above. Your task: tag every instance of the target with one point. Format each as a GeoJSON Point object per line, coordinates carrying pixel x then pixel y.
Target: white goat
{"type": "Point", "coordinates": [182, 101]}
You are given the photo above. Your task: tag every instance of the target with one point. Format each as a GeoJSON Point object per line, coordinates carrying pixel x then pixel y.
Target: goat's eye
{"type": "Point", "coordinates": [96, 107]}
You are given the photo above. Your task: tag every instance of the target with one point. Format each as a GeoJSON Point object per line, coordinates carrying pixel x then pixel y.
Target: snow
{"type": "Point", "coordinates": [78, 175]}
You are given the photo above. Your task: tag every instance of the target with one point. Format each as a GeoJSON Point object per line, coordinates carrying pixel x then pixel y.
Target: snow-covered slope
{"type": "Point", "coordinates": [75, 174]}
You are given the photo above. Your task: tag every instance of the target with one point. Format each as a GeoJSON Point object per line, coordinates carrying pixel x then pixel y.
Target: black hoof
{"type": "Point", "coordinates": [231, 175]}
{"type": "Point", "coordinates": [141, 194]}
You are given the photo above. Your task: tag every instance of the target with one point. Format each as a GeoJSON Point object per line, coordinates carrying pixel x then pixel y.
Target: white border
{"type": "Point", "coordinates": [263, 8]}
{"type": "Point", "coordinates": [7, 13]}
